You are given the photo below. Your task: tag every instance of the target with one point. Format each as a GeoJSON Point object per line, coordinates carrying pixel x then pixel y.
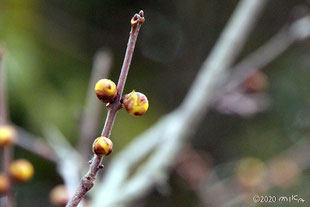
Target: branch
{"type": "Point", "coordinates": [88, 180]}
{"type": "Point", "coordinates": [6, 151]}
{"type": "Point", "coordinates": [169, 135]}
{"type": "Point", "coordinates": [3, 104]}
{"type": "Point", "coordinates": [91, 114]}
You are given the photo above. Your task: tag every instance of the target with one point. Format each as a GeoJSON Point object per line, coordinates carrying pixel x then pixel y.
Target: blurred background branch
{"type": "Point", "coordinates": [68, 159]}
{"type": "Point", "coordinates": [6, 151]}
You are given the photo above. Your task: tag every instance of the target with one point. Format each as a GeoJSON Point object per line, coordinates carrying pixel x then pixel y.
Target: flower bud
{"type": "Point", "coordinates": [7, 135]}
{"type": "Point", "coordinates": [102, 146]}
{"type": "Point", "coordinates": [59, 196]}
{"type": "Point", "coordinates": [251, 172]}
{"type": "Point", "coordinates": [21, 170]}
{"type": "Point", "coordinates": [135, 103]}
{"type": "Point", "coordinates": [105, 90]}
{"type": "Point", "coordinates": [4, 184]}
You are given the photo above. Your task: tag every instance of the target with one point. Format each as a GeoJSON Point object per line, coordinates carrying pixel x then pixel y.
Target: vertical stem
{"type": "Point", "coordinates": [7, 155]}
{"type": "Point", "coordinates": [88, 180]}
{"type": "Point", "coordinates": [3, 108]}
{"type": "Point", "coordinates": [6, 151]}
{"type": "Point", "coordinates": [129, 53]}
{"type": "Point", "coordinates": [113, 108]}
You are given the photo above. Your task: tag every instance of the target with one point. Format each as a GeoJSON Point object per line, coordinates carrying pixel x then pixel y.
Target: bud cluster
{"type": "Point", "coordinates": [19, 170]}
{"type": "Point", "coordinates": [135, 103]}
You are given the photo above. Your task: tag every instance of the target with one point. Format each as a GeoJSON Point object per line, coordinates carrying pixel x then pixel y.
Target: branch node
{"type": "Point", "coordinates": [88, 183]}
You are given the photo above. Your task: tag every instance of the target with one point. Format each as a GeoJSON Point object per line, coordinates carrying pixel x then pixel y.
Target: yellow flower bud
{"type": "Point", "coordinates": [21, 170]}
{"type": "Point", "coordinates": [7, 135]}
{"type": "Point", "coordinates": [4, 184]}
{"type": "Point", "coordinates": [102, 146]}
{"type": "Point", "coordinates": [59, 196]}
{"type": "Point", "coordinates": [105, 90]}
{"type": "Point", "coordinates": [135, 103]}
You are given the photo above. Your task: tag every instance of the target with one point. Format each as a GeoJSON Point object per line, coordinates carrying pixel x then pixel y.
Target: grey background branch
{"type": "Point", "coordinates": [69, 161]}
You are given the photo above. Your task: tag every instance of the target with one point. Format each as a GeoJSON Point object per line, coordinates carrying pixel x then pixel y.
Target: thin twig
{"type": "Point", "coordinates": [3, 106]}
{"type": "Point", "coordinates": [168, 139]}
{"type": "Point", "coordinates": [91, 114]}
{"type": "Point", "coordinates": [7, 151]}
{"type": "Point", "coordinates": [88, 180]}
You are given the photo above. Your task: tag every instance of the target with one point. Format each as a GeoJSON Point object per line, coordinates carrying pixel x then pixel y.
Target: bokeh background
{"type": "Point", "coordinates": [49, 49]}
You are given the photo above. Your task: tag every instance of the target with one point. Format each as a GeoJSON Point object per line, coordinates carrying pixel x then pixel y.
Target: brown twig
{"type": "Point", "coordinates": [7, 151]}
{"type": "Point", "coordinates": [88, 180]}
